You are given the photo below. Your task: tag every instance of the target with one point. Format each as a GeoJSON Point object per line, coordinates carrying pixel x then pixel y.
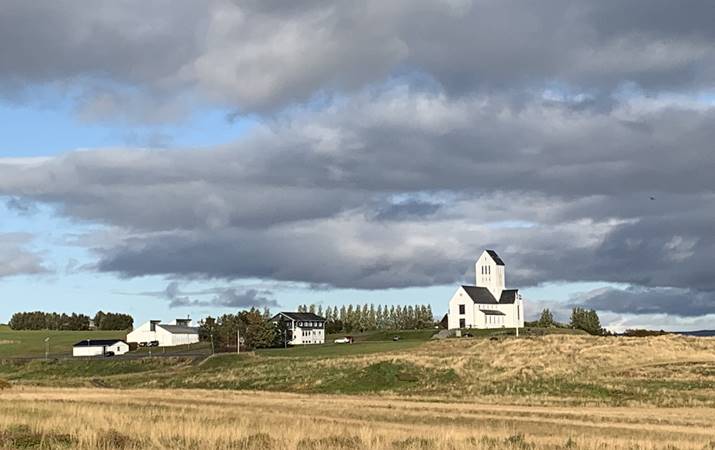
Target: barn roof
{"type": "Point", "coordinates": [481, 295]}
{"type": "Point", "coordinates": [178, 329]}
{"type": "Point", "coordinates": [97, 342]}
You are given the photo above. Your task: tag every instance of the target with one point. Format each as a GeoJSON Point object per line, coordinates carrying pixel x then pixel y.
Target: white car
{"type": "Point", "coordinates": [344, 340]}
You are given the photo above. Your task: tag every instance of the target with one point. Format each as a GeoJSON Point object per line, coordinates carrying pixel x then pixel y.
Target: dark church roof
{"type": "Point", "coordinates": [492, 312]}
{"type": "Point", "coordinates": [482, 295]}
{"type": "Point", "coordinates": [495, 257]}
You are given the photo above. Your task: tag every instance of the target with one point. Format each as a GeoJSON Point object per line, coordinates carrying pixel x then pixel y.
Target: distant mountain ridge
{"type": "Point", "coordinates": [702, 333]}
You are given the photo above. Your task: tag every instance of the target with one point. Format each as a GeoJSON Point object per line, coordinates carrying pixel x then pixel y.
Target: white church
{"type": "Point", "coordinates": [487, 304]}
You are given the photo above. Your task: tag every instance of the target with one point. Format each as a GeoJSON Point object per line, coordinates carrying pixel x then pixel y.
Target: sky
{"type": "Point", "coordinates": [179, 158]}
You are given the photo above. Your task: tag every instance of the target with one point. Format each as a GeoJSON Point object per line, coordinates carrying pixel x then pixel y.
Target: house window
{"type": "Point", "coordinates": [461, 309]}
{"type": "Point", "coordinates": [462, 323]}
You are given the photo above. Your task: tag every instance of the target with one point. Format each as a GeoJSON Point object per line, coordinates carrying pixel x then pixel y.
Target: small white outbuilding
{"type": "Point", "coordinates": [99, 347]}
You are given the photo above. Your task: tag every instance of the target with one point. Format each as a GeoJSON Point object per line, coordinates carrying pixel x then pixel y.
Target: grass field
{"type": "Point", "coordinates": [15, 344]}
{"type": "Point", "coordinates": [672, 371]}
{"type": "Point", "coordinates": [485, 393]}
{"type": "Point", "coordinates": [32, 417]}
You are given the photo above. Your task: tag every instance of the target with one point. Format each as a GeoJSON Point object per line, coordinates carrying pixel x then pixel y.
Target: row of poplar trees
{"type": "Point", "coordinates": [345, 319]}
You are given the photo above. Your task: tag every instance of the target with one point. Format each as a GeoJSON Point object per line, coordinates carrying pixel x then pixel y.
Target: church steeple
{"type": "Point", "coordinates": [490, 274]}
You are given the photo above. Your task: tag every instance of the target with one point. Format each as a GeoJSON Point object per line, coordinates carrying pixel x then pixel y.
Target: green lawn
{"type": "Point", "coordinates": [331, 349]}
{"type": "Point", "coordinates": [32, 343]}
{"type": "Point", "coordinates": [365, 343]}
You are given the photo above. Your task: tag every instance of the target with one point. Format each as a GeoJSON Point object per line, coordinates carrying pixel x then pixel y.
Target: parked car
{"type": "Point", "coordinates": [108, 354]}
{"type": "Point", "coordinates": [154, 344]}
{"type": "Point", "coordinates": [395, 338]}
{"type": "Point", "coordinates": [344, 340]}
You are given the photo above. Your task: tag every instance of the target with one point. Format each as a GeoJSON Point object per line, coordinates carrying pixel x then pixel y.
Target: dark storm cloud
{"type": "Point", "coordinates": [256, 55]}
{"type": "Point", "coordinates": [398, 139]}
{"type": "Point", "coordinates": [304, 197]}
{"type": "Point", "coordinates": [637, 300]}
{"type": "Point", "coordinates": [410, 209]}
{"type": "Point", "coordinates": [224, 297]}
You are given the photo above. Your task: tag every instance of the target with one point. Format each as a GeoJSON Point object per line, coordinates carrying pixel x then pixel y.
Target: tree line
{"type": "Point", "coordinates": [581, 319]}
{"type": "Point", "coordinates": [255, 330]}
{"type": "Point", "coordinates": [350, 318]}
{"type": "Point", "coordinates": [39, 320]}
{"type": "Point", "coordinates": [113, 321]}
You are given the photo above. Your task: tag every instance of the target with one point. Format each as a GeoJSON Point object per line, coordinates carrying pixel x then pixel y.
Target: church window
{"type": "Point", "coordinates": [461, 309]}
{"type": "Point", "coordinates": [462, 323]}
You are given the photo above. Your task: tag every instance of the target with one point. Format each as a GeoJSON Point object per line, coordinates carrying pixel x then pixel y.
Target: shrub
{"type": "Point", "coordinates": [414, 443]}
{"type": "Point", "coordinates": [113, 439]}
{"type": "Point", "coordinates": [22, 436]}
{"type": "Point", "coordinates": [4, 384]}
{"type": "Point", "coordinates": [332, 442]}
{"type": "Point", "coordinates": [258, 441]}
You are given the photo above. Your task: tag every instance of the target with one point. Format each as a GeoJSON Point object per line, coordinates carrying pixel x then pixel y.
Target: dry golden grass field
{"type": "Point", "coordinates": [548, 392]}
{"type": "Point", "coordinates": [34, 417]}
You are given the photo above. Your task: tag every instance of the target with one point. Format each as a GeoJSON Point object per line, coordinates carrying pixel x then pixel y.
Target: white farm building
{"type": "Point", "coordinates": [99, 347]}
{"type": "Point", "coordinates": [165, 335]}
{"type": "Point", "coordinates": [487, 304]}
{"type": "Point", "coordinates": [301, 328]}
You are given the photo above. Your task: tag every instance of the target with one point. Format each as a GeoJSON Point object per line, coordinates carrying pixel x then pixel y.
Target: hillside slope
{"type": "Point", "coordinates": [663, 370]}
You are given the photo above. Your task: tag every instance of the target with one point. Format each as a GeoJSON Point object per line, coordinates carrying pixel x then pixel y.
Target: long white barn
{"type": "Point", "coordinates": [167, 335]}
{"type": "Point", "coordinates": [486, 304]}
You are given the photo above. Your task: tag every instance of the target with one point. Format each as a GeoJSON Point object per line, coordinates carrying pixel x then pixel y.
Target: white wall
{"type": "Point", "coordinates": [165, 338]}
{"type": "Point", "coordinates": [307, 335]}
{"type": "Point", "coordinates": [474, 318]}
{"type": "Point", "coordinates": [168, 339]}
{"type": "Point", "coordinates": [493, 278]}
{"type": "Point", "coordinates": [142, 333]}
{"type": "Point", "coordinates": [88, 351]}
{"type": "Point", "coordinates": [119, 348]}
{"type": "Point", "coordinates": [461, 298]}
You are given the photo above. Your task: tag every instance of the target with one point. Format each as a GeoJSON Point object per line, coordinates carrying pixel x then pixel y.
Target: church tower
{"type": "Point", "coordinates": [489, 270]}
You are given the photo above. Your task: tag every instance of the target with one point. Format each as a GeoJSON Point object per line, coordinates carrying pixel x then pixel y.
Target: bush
{"type": "Point", "coordinates": [22, 436]}
{"type": "Point", "coordinates": [4, 384]}
{"type": "Point", "coordinates": [113, 439]}
{"type": "Point", "coordinates": [332, 442]}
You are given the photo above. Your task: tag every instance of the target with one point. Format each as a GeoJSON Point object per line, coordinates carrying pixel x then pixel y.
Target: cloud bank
{"type": "Point", "coordinates": [395, 140]}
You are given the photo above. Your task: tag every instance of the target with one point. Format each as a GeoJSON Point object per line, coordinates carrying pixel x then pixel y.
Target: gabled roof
{"type": "Point", "coordinates": [492, 312]}
{"type": "Point", "coordinates": [481, 295]}
{"type": "Point", "coordinates": [495, 257]}
{"type": "Point", "coordinates": [178, 329]}
{"type": "Point", "coordinates": [301, 316]}
{"type": "Point", "coordinates": [97, 342]}
{"type": "Point", "coordinates": [508, 296]}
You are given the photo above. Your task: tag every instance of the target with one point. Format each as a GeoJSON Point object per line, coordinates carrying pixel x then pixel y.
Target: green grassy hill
{"type": "Point", "coordinates": [15, 344]}
{"type": "Point", "coordinates": [550, 369]}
